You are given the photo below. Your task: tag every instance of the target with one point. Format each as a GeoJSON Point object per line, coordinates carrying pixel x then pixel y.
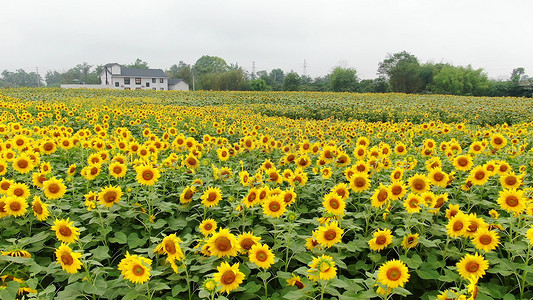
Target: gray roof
{"type": "Point", "coordinates": [173, 81]}
{"type": "Point", "coordinates": [142, 72]}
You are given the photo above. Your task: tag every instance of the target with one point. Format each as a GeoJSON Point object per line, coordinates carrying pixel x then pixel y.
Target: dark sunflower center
{"type": "Point", "coordinates": [457, 226]}
{"type": "Point", "coordinates": [212, 197]}
{"type": "Point", "coordinates": [188, 194]}
{"type": "Point", "coordinates": [485, 239]}
{"type": "Point", "coordinates": [170, 247]}
{"type": "Point", "coordinates": [394, 274]}
{"type": "Point", "coordinates": [334, 203]}
{"type": "Point", "coordinates": [512, 201]}
{"type": "Point", "coordinates": [360, 182]}
{"type": "Point", "coordinates": [223, 243]}
{"type": "Point", "coordinates": [396, 190]}
{"type": "Point", "coordinates": [261, 256]}
{"type": "Point", "coordinates": [110, 196]}
{"type": "Point", "coordinates": [22, 164]}
{"type": "Point", "coordinates": [15, 206]}
{"type": "Point", "coordinates": [228, 277]}
{"type": "Point", "coordinates": [419, 184]}
{"type": "Point", "coordinates": [380, 240]}
{"type": "Point", "coordinates": [117, 170]}
{"type": "Point", "coordinates": [438, 176]}
{"type": "Point", "coordinates": [37, 208]}
{"type": "Point", "coordinates": [330, 234]}
{"type": "Point", "coordinates": [382, 195]}
{"type": "Point", "coordinates": [274, 206]}
{"type": "Point", "coordinates": [148, 175]}
{"type": "Point", "coordinates": [67, 259]}
{"type": "Point", "coordinates": [53, 188]}
{"type": "Point", "coordinates": [479, 175]}
{"type": "Point", "coordinates": [510, 180]}
{"type": "Point", "coordinates": [18, 192]}
{"type": "Point", "coordinates": [247, 243]}
{"type": "Point", "coordinates": [472, 266]}
{"type": "Point", "coordinates": [138, 270]}
{"type": "Point", "coordinates": [65, 231]}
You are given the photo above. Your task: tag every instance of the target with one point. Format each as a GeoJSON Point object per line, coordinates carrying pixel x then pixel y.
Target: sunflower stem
{"type": "Point", "coordinates": [522, 286]}
{"type": "Point", "coordinates": [323, 289]}
{"type": "Point", "coordinates": [265, 283]}
{"type": "Point", "coordinates": [148, 294]}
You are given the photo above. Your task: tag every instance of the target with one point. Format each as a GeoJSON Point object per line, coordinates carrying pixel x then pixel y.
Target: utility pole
{"type": "Point", "coordinates": [253, 70]}
{"type": "Point", "coordinates": [38, 77]}
{"type": "Point", "coordinates": [305, 68]}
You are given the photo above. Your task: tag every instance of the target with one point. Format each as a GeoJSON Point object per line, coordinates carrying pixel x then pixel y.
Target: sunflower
{"type": "Point", "coordinates": [393, 273]}
{"type": "Point", "coordinates": [274, 176]}
{"type": "Point", "coordinates": [326, 172]}
{"type": "Point", "coordinates": [65, 232]}
{"type": "Point", "coordinates": [110, 195]}
{"type": "Point", "coordinates": [117, 170]}
{"type": "Point", "coordinates": [210, 285]}
{"type": "Point", "coordinates": [498, 141]}
{"type": "Point", "coordinates": [295, 281]}
{"type": "Point", "coordinates": [412, 203]}
{"type": "Point", "coordinates": [135, 268]}
{"type": "Point", "coordinates": [341, 189]}
{"type": "Point", "coordinates": [438, 178]}
{"type": "Point", "coordinates": [247, 240]}
{"type": "Point", "coordinates": [397, 190]}
{"type": "Point", "coordinates": [207, 227]}
{"type": "Point", "coordinates": [3, 167]}
{"type": "Point", "coordinates": [475, 223]}
{"type": "Point", "coordinates": [328, 235]}
{"type": "Point", "coordinates": [463, 162]}
{"type": "Point", "coordinates": [472, 266]}
{"type": "Point", "coordinates": [15, 206]}
{"type": "Point", "coordinates": [397, 174]}
{"type": "Point", "coordinates": [457, 225]}
{"type": "Point", "coordinates": [19, 190]}
{"type": "Point", "coordinates": [529, 235]}
{"type": "Point", "coordinates": [223, 154]}
{"type": "Point", "coordinates": [510, 180]}
{"type": "Point", "coordinates": [382, 238]}
{"type": "Point", "coordinates": [359, 182]}
{"type": "Point", "coordinates": [381, 196]}
{"type": "Point", "coordinates": [410, 241]}
{"type": "Point", "coordinates": [512, 201]}
{"type": "Point", "coordinates": [191, 161]}
{"type": "Point", "coordinates": [223, 243]}
{"type": "Point", "coordinates": [274, 206]}
{"type": "Point", "coordinates": [211, 197]}
{"type": "Point", "coordinates": [418, 183]}
{"type": "Point", "coordinates": [261, 255]}
{"type": "Point", "coordinates": [147, 175]}
{"type": "Point", "coordinates": [54, 188]}
{"type": "Point", "coordinates": [40, 209]}
{"type": "Point", "coordinates": [4, 185]}
{"type": "Point", "coordinates": [322, 268]}
{"type": "Point", "coordinates": [186, 194]}
{"type": "Point", "coordinates": [334, 204]}
{"type": "Point", "coordinates": [16, 253]}
{"type": "Point", "coordinates": [69, 260]}
{"type": "Point", "coordinates": [486, 240]}
{"type": "Point", "coordinates": [71, 170]}
{"type": "Point", "coordinates": [91, 171]}
{"type": "Point", "coordinates": [289, 196]}
{"type": "Point", "coordinates": [170, 246]}
{"type": "Point", "coordinates": [400, 149]}
{"type": "Point", "coordinates": [23, 164]}
{"type": "Point", "coordinates": [453, 209]}
{"type": "Point", "coordinates": [228, 277]}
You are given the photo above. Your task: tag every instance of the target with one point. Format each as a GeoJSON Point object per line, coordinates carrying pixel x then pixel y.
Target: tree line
{"type": "Point", "coordinates": [399, 72]}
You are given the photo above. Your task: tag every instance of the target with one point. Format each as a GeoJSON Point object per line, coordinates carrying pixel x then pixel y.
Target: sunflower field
{"type": "Point", "coordinates": [264, 195]}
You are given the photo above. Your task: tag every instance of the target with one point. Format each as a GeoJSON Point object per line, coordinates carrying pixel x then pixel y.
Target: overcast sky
{"type": "Point", "coordinates": [58, 34]}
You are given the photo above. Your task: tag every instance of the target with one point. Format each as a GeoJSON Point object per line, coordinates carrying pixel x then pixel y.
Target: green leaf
{"type": "Point", "coordinates": [101, 253]}
{"type": "Point", "coordinates": [134, 241]}
{"type": "Point", "coordinates": [178, 288]}
{"type": "Point", "coordinates": [10, 292]}
{"type": "Point", "coordinates": [119, 238]}
{"type": "Point", "coordinates": [428, 274]}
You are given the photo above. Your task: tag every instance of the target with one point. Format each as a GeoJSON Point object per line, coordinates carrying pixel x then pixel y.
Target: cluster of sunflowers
{"type": "Point", "coordinates": [154, 195]}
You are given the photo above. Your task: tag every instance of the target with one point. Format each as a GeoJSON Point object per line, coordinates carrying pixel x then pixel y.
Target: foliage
{"type": "Point", "coordinates": [343, 80]}
{"type": "Point", "coordinates": [339, 236]}
{"type": "Point", "coordinates": [292, 82]}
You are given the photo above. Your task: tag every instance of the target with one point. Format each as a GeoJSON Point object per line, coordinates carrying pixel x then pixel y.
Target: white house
{"type": "Point", "coordinates": [115, 76]}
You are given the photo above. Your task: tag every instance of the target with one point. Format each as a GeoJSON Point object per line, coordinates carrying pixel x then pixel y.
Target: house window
{"type": "Point", "coordinates": [147, 84]}
{"type": "Point", "coordinates": [153, 80]}
{"type": "Point", "coordinates": [117, 84]}
{"type": "Point", "coordinates": [127, 80]}
{"type": "Point", "coordinates": [162, 89]}
{"type": "Point", "coordinates": [160, 80]}
{"type": "Point", "coordinates": [137, 80]}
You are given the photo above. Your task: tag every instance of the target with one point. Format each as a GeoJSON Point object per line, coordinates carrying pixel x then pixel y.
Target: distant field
{"type": "Point", "coordinates": [248, 195]}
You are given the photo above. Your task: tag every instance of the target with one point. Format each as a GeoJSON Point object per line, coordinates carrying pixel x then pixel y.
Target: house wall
{"type": "Point", "coordinates": [112, 79]}
{"type": "Point", "coordinates": [180, 86]}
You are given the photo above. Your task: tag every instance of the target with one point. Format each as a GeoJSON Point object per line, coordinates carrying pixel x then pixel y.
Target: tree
{"type": "Point", "coordinates": [210, 64]}
{"type": "Point", "coordinates": [378, 85]}
{"type": "Point", "coordinates": [402, 70]}
{"type": "Point", "coordinates": [292, 82]}
{"type": "Point", "coordinates": [53, 78]}
{"type": "Point", "coordinates": [276, 79]}
{"type": "Point", "coordinates": [344, 80]}
{"type": "Point", "coordinates": [182, 70]}
{"type": "Point", "coordinates": [20, 78]}
{"type": "Point", "coordinates": [258, 85]}
{"type": "Point", "coordinates": [138, 64]}
{"type": "Point", "coordinates": [460, 81]}
{"type": "Point", "coordinates": [518, 74]}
